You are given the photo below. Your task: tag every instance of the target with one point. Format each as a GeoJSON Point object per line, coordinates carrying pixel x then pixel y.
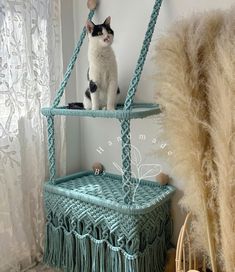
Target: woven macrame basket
{"type": "Point", "coordinates": [106, 223]}
{"type": "Point", "coordinates": [90, 228]}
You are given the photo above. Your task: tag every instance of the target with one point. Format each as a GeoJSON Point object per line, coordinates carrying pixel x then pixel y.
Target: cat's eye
{"type": "Point", "coordinates": [100, 33]}
{"type": "Point", "coordinates": [109, 31]}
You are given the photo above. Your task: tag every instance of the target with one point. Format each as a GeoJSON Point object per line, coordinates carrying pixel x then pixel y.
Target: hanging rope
{"type": "Point", "coordinates": [126, 161]}
{"type": "Point", "coordinates": [125, 124]}
{"type": "Point", "coordinates": [140, 64]}
{"type": "Point", "coordinates": [51, 146]}
{"type": "Point", "coordinates": [70, 66]}
{"type": "Point", "coordinates": [59, 94]}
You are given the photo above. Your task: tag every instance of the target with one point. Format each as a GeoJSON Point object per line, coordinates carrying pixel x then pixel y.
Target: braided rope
{"type": "Point", "coordinates": [126, 161]}
{"type": "Point", "coordinates": [51, 146]}
{"type": "Point", "coordinates": [60, 92]}
{"type": "Point", "coordinates": [140, 63]}
{"type": "Point", "coordinates": [71, 64]}
{"type": "Point", "coordinates": [125, 124]}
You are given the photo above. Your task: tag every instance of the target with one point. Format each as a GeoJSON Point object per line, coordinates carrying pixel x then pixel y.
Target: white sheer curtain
{"type": "Point", "coordinates": [30, 72]}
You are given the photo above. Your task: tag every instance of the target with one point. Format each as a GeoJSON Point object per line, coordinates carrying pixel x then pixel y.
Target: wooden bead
{"type": "Point", "coordinates": [162, 178]}
{"type": "Point", "coordinates": [91, 4]}
{"type": "Point", "coordinates": [98, 168]}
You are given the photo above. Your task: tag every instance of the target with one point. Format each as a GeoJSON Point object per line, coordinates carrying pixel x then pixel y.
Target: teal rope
{"type": "Point", "coordinates": [126, 161]}
{"type": "Point", "coordinates": [71, 64]}
{"type": "Point", "coordinates": [125, 124]}
{"type": "Point", "coordinates": [51, 146]}
{"type": "Point", "coordinates": [60, 92]}
{"type": "Point", "coordinates": [140, 64]}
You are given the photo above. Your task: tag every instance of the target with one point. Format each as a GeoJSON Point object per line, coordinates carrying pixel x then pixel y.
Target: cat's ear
{"type": "Point", "coordinates": [107, 21]}
{"type": "Point", "coordinates": [89, 26]}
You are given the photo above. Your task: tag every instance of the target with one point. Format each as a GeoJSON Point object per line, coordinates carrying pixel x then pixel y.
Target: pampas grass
{"type": "Point", "coordinates": [195, 85]}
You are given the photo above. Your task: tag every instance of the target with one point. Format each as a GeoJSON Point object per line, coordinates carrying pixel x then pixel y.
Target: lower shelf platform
{"type": "Point", "coordinates": [90, 228]}
{"type": "Point", "coordinates": [106, 190]}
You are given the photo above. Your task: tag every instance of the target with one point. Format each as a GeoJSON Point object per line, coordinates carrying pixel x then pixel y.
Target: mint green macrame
{"type": "Point", "coordinates": [90, 228]}
{"type": "Point", "coordinates": [95, 223]}
{"type": "Point", "coordinates": [126, 111]}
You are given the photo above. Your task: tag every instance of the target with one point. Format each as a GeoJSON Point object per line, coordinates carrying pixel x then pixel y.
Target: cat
{"type": "Point", "coordinates": [102, 74]}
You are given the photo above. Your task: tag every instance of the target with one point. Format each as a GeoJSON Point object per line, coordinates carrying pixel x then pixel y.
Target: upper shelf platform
{"type": "Point", "coordinates": [139, 110]}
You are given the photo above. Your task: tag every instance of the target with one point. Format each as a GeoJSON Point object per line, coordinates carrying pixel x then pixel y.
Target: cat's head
{"type": "Point", "coordinates": [100, 35]}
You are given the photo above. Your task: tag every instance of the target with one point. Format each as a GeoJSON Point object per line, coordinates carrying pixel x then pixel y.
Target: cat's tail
{"type": "Point", "coordinates": [76, 106]}
{"type": "Point", "coordinates": [85, 105]}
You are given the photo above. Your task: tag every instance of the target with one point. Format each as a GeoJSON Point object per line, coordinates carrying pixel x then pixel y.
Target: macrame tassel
{"type": "Point", "coordinates": [69, 246]}
{"type": "Point", "coordinates": [53, 246]}
{"type": "Point", "coordinates": [77, 255]}
{"type": "Point", "coordinates": [102, 256]}
{"type": "Point", "coordinates": [46, 257]}
{"type": "Point", "coordinates": [115, 260]}
{"type": "Point", "coordinates": [72, 252]}
{"type": "Point", "coordinates": [95, 256]}
{"type": "Point", "coordinates": [82, 253]}
{"type": "Point", "coordinates": [59, 246]}
{"type": "Point", "coordinates": [87, 254]}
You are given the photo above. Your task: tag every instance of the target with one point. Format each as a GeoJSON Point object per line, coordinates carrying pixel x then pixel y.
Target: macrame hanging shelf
{"type": "Point", "coordinates": [106, 222]}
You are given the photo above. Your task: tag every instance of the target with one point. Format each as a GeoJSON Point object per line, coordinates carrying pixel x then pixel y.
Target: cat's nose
{"type": "Point", "coordinates": [107, 38]}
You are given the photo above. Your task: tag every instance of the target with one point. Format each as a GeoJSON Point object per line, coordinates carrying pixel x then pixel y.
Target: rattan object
{"type": "Point", "coordinates": [186, 258]}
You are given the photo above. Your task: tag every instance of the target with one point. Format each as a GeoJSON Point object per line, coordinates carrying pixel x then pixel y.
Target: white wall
{"type": "Point", "coordinates": [129, 21]}
{"type": "Point", "coordinates": [73, 145]}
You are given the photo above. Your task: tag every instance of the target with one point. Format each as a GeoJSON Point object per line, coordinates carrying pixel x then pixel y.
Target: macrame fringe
{"type": "Point", "coordinates": [72, 252]}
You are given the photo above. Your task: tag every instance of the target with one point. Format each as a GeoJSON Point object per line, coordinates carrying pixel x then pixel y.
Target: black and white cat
{"type": "Point", "coordinates": [102, 73]}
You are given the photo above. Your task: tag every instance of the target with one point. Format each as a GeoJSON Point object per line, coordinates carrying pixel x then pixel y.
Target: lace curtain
{"type": "Point", "coordinates": [30, 72]}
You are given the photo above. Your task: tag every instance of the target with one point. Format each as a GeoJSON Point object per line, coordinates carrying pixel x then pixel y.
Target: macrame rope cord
{"type": "Point", "coordinates": [71, 64]}
{"type": "Point", "coordinates": [51, 146]}
{"type": "Point", "coordinates": [126, 161]}
{"type": "Point", "coordinates": [125, 124]}
{"type": "Point", "coordinates": [59, 94]}
{"type": "Point", "coordinates": [140, 63]}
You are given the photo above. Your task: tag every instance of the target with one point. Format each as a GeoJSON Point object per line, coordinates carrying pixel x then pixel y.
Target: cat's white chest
{"type": "Point", "coordinates": [99, 72]}
{"type": "Point", "coordinates": [103, 66]}
{"type": "Point", "coordinates": [102, 70]}
{"type": "Point", "coordinates": [102, 76]}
